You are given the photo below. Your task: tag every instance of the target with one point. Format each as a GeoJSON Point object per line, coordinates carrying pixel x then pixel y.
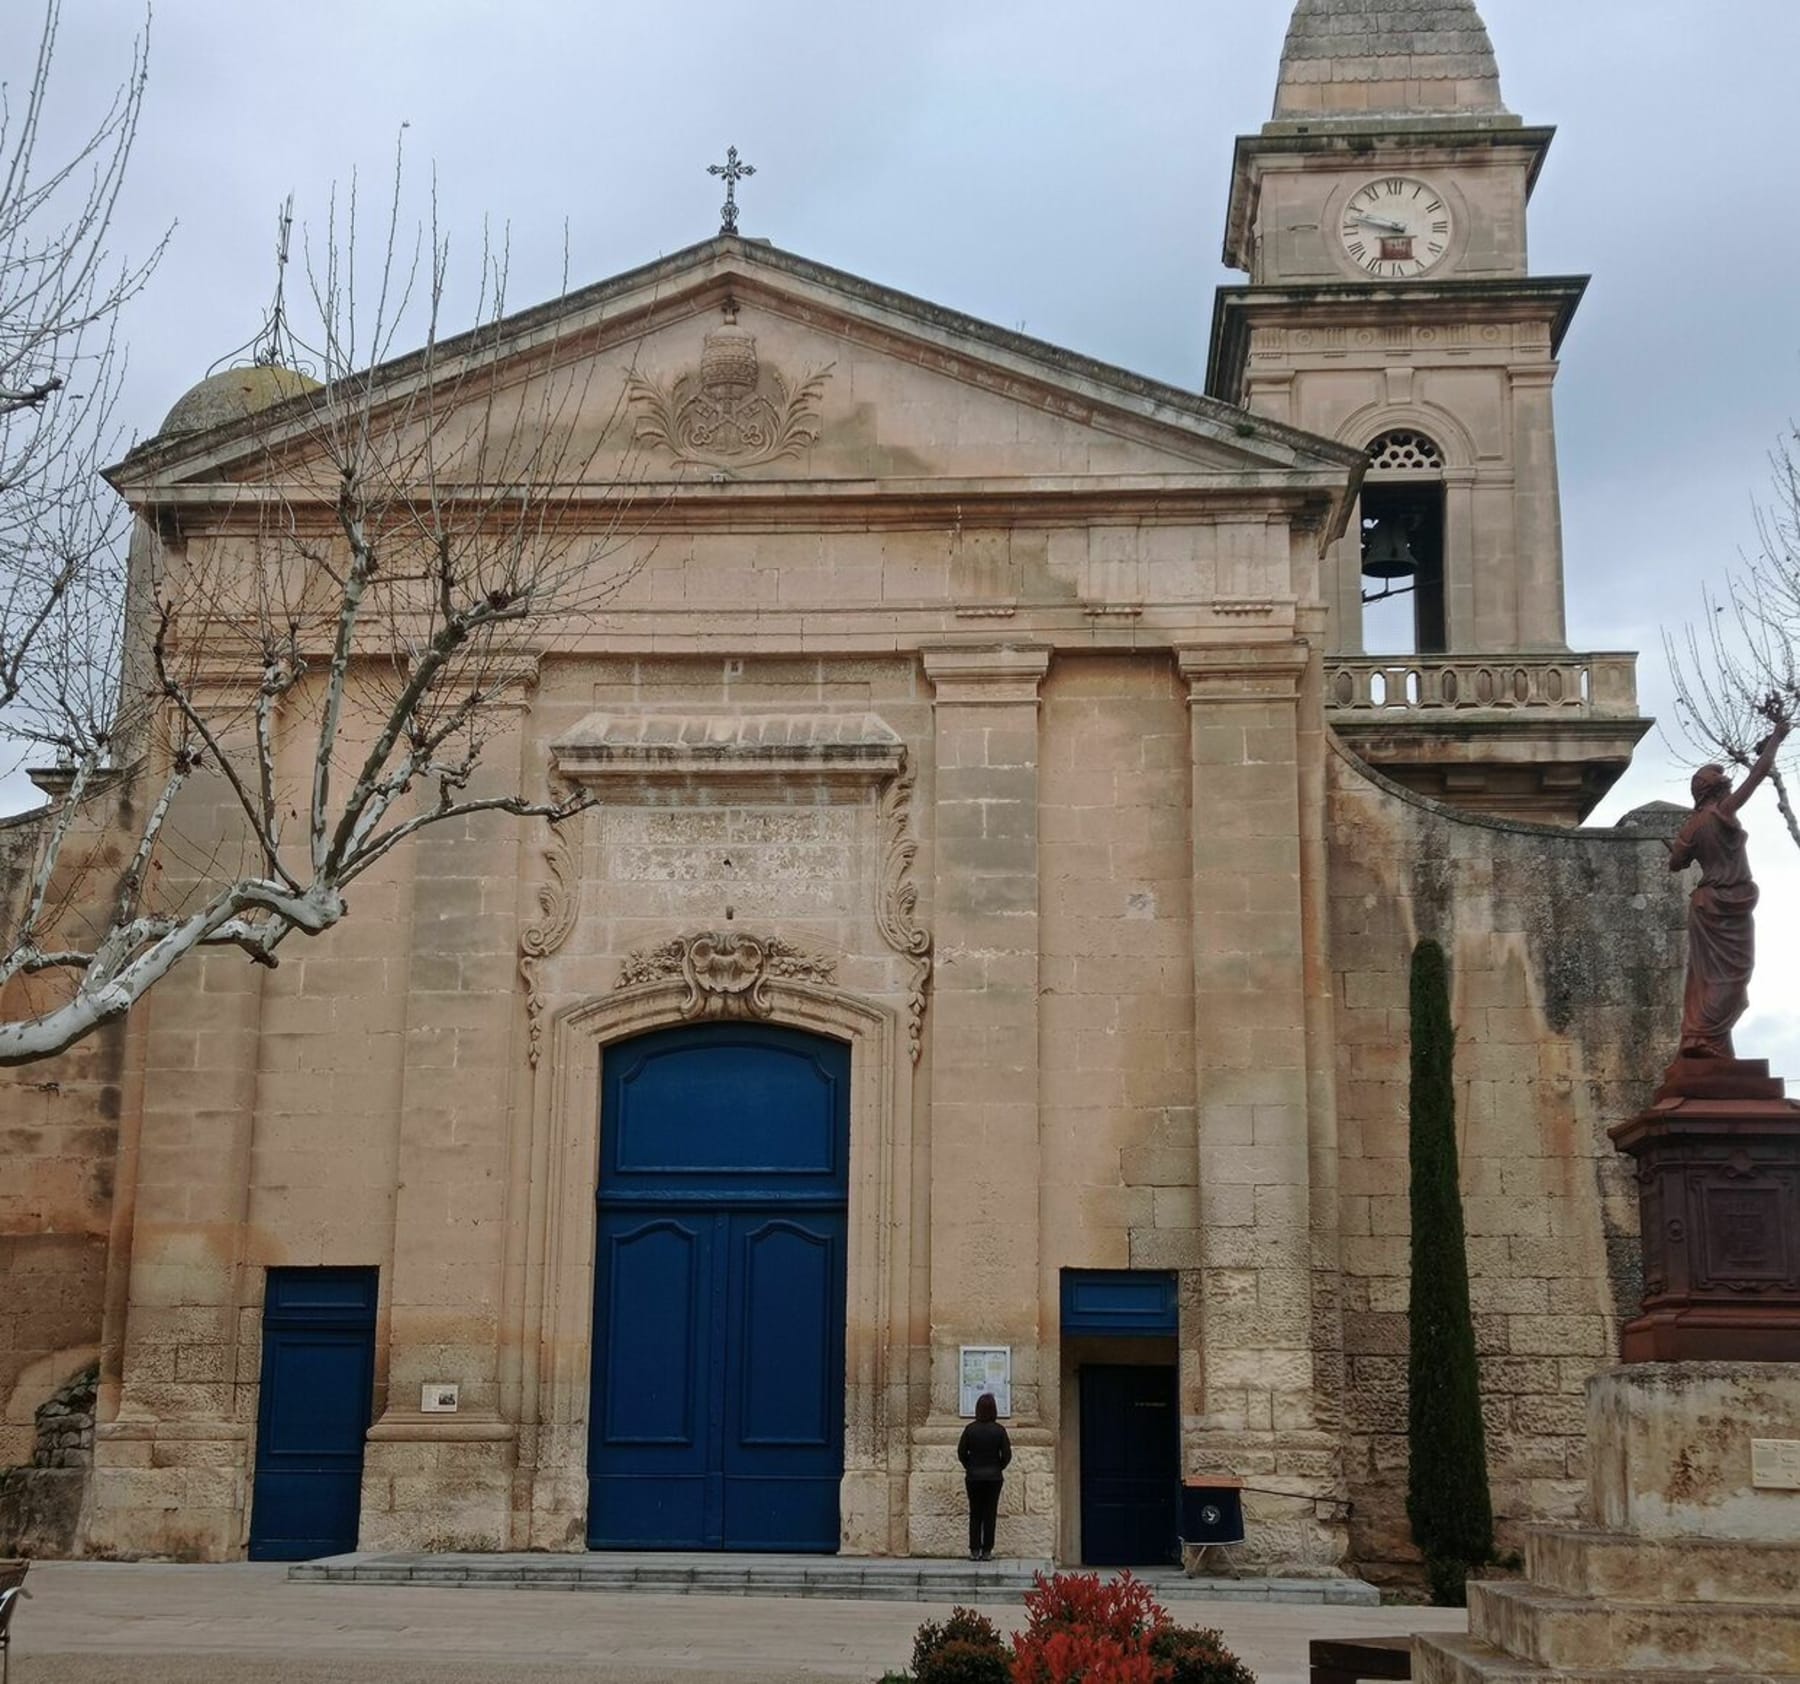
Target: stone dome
{"type": "Point", "coordinates": [1347, 61]}
{"type": "Point", "coordinates": [233, 393]}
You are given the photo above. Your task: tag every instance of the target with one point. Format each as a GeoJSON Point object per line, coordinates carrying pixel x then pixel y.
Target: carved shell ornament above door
{"type": "Point", "coordinates": [734, 412]}
{"type": "Point", "coordinates": [727, 974]}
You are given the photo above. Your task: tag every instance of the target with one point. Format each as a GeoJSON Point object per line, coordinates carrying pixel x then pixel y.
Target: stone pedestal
{"type": "Point", "coordinates": [1718, 1164]}
{"type": "Point", "coordinates": [1691, 1563]}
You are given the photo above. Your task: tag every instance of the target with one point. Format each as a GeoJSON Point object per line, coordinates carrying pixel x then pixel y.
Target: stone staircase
{"type": "Point", "coordinates": [1606, 1607]}
{"type": "Point", "coordinates": [860, 1578]}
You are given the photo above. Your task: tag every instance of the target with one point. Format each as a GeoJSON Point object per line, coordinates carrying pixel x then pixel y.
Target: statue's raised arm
{"type": "Point", "coordinates": [1763, 765]}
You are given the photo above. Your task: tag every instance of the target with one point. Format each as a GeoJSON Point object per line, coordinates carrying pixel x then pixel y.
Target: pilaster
{"type": "Point", "coordinates": [172, 1448]}
{"type": "Point", "coordinates": [445, 1480]}
{"type": "Point", "coordinates": [1258, 965]}
{"type": "Point", "coordinates": [984, 1246]}
{"type": "Point", "coordinates": [1537, 505]}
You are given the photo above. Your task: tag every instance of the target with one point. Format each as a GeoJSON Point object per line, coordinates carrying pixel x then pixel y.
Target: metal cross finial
{"type": "Point", "coordinates": [733, 172]}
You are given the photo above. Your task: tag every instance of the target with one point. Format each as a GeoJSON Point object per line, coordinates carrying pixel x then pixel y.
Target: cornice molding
{"type": "Point", "coordinates": [1007, 673]}
{"type": "Point", "coordinates": [1239, 310]}
{"type": "Point", "coordinates": [1243, 672]}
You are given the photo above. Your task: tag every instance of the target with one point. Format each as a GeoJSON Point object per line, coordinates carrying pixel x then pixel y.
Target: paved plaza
{"type": "Point", "coordinates": [111, 1623]}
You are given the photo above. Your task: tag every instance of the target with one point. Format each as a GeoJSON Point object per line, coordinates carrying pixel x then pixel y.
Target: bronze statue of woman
{"type": "Point", "coordinates": [1721, 934]}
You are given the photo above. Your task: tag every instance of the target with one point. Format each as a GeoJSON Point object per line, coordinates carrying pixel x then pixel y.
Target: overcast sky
{"type": "Point", "coordinates": [1060, 167]}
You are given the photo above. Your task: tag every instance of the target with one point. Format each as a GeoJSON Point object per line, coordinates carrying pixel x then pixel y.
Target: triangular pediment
{"type": "Point", "coordinates": [735, 363]}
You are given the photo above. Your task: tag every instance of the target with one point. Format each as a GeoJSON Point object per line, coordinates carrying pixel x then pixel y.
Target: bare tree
{"type": "Point", "coordinates": [1738, 675]}
{"type": "Point", "coordinates": [402, 540]}
{"type": "Point", "coordinates": [60, 297]}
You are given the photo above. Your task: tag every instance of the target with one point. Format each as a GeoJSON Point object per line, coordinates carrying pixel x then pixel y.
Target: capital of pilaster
{"type": "Point", "coordinates": [1243, 672]}
{"type": "Point", "coordinates": [1008, 672]}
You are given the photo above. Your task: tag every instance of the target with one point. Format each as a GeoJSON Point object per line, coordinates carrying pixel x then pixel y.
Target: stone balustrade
{"type": "Point", "coordinates": [1368, 686]}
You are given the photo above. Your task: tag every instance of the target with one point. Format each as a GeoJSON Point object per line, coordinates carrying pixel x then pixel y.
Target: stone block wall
{"type": "Point", "coordinates": [59, 1135]}
{"type": "Point", "coordinates": [1566, 954]}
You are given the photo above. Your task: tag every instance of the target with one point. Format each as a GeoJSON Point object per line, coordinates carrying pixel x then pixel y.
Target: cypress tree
{"type": "Point", "coordinates": [1447, 1498]}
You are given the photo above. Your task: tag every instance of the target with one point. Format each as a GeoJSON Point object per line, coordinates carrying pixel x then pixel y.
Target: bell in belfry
{"type": "Point", "coordinates": [1388, 551]}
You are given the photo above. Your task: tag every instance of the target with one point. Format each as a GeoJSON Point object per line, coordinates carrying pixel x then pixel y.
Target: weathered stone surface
{"type": "Point", "coordinates": [1549, 1051]}
{"type": "Point", "coordinates": [1689, 1568]}
{"type": "Point", "coordinates": [1363, 59]}
{"type": "Point", "coordinates": [1670, 1450]}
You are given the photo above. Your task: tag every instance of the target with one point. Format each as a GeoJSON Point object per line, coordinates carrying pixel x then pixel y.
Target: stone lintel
{"type": "Point", "coordinates": [654, 746]}
{"type": "Point", "coordinates": [1002, 673]}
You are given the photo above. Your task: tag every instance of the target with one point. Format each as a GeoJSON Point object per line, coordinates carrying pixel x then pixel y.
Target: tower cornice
{"type": "Point", "coordinates": [1423, 142]}
{"type": "Point", "coordinates": [1237, 311]}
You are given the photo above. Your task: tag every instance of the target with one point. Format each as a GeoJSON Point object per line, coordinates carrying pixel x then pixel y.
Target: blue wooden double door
{"type": "Point", "coordinates": [717, 1417]}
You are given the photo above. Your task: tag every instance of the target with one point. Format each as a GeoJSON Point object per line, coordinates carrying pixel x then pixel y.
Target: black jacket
{"type": "Point", "coordinates": [984, 1450]}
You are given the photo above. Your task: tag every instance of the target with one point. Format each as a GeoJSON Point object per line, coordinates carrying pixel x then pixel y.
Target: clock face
{"type": "Point", "coordinates": [1395, 228]}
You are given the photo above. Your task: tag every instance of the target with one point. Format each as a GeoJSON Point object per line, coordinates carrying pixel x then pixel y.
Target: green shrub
{"type": "Point", "coordinates": [967, 1648]}
{"type": "Point", "coordinates": [1186, 1656]}
{"type": "Point", "coordinates": [963, 1662]}
{"type": "Point", "coordinates": [1447, 1498]}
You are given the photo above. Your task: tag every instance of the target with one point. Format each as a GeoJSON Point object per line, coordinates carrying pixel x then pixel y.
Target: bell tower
{"type": "Point", "coordinates": [1381, 215]}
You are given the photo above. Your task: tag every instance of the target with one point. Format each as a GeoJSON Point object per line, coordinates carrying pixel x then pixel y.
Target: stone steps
{"type": "Point", "coordinates": [1454, 1659]}
{"type": "Point", "coordinates": [1570, 1634]}
{"type": "Point", "coordinates": [854, 1578]}
{"type": "Point", "coordinates": [1608, 1564]}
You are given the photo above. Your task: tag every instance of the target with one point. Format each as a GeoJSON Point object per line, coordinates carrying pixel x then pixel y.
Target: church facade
{"type": "Point", "coordinates": [984, 966]}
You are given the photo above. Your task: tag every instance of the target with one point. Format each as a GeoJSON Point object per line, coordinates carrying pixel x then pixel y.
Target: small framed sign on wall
{"type": "Point", "coordinates": [986, 1368]}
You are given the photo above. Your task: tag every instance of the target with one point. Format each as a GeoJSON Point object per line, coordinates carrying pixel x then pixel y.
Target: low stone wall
{"type": "Point", "coordinates": [1566, 953]}
{"type": "Point", "coordinates": [40, 1505]}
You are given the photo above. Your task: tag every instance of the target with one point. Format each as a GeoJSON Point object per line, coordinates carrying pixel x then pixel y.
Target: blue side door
{"type": "Point", "coordinates": [318, 1380]}
{"type": "Point", "coordinates": [1130, 1466]}
{"type": "Point", "coordinates": [717, 1419]}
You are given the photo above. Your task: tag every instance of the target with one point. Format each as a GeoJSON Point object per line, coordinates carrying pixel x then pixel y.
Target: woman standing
{"type": "Point", "coordinates": [984, 1450]}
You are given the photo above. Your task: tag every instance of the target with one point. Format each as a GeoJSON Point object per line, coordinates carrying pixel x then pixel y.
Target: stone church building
{"type": "Point", "coordinates": [985, 965]}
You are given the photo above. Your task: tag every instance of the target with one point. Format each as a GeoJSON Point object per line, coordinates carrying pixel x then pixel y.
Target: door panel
{"type": "Point", "coordinates": [786, 1294]}
{"type": "Point", "coordinates": [318, 1375]}
{"type": "Point", "coordinates": [718, 1385]}
{"type": "Point", "coordinates": [658, 1292]}
{"type": "Point", "coordinates": [783, 1449]}
{"type": "Point", "coordinates": [648, 1452]}
{"type": "Point", "coordinates": [1130, 1466]}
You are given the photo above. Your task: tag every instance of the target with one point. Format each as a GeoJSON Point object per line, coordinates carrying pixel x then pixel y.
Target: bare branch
{"type": "Point", "coordinates": [336, 636]}
{"type": "Point", "coordinates": [1737, 675]}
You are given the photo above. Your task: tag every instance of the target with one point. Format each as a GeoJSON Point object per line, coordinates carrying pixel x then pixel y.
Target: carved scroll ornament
{"type": "Point", "coordinates": [727, 974]}
{"type": "Point", "coordinates": [559, 904]}
{"type": "Point", "coordinates": [897, 910]}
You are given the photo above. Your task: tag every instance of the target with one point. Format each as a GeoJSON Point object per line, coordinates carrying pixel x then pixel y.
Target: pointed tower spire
{"type": "Point", "coordinates": [1349, 61]}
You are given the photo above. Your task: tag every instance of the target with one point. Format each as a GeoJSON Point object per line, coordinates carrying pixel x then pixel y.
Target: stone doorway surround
{"type": "Point", "coordinates": [556, 1348]}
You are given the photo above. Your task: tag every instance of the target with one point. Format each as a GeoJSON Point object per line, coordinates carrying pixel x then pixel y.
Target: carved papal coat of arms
{"type": "Point", "coordinates": [733, 413]}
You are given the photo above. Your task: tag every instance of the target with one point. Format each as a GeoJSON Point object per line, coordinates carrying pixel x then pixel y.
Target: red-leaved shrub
{"type": "Point", "coordinates": [1078, 1631]}
{"type": "Point", "coordinates": [1081, 1631]}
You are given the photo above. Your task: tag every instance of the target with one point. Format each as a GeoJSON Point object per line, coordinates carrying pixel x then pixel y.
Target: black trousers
{"type": "Point", "coordinates": [984, 1506]}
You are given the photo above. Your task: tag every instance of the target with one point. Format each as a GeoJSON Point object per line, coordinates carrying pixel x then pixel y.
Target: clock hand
{"type": "Point", "coordinates": [1383, 223]}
